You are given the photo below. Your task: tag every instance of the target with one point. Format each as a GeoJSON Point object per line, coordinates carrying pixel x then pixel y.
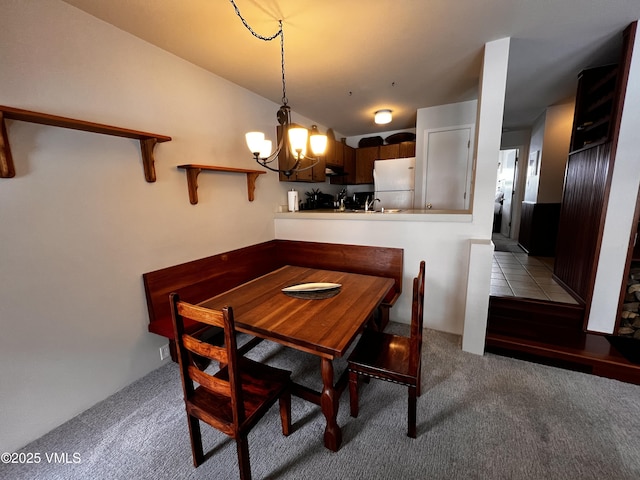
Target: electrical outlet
{"type": "Point", "coordinates": [164, 351]}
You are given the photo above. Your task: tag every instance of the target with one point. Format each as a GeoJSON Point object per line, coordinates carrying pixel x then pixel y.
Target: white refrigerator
{"type": "Point", "coordinates": [394, 182]}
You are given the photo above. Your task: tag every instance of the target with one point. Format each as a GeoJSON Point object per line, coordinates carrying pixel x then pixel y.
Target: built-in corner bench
{"type": "Point", "coordinates": [200, 279]}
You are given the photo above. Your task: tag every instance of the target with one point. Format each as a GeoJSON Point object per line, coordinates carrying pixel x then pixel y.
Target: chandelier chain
{"type": "Point", "coordinates": [279, 33]}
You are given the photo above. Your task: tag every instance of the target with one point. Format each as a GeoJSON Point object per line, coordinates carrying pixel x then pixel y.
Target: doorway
{"type": "Point", "coordinates": [449, 166]}
{"type": "Point", "coordinates": [505, 191]}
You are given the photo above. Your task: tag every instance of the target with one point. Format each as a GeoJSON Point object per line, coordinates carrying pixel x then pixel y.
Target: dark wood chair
{"type": "Point", "coordinates": [392, 358]}
{"type": "Point", "coordinates": [234, 398]}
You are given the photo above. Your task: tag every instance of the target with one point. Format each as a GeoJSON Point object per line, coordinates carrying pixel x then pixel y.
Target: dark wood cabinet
{"type": "Point", "coordinates": [595, 106]}
{"type": "Point", "coordinates": [364, 163]}
{"type": "Point", "coordinates": [599, 101]}
{"type": "Point", "coordinates": [334, 154]}
{"type": "Point", "coordinates": [348, 165]}
{"type": "Point", "coordinates": [397, 150]}
{"type": "Point", "coordinates": [539, 228]}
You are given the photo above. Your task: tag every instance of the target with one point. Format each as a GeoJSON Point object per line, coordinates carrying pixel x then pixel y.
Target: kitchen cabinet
{"type": "Point", "coordinates": [334, 154]}
{"type": "Point", "coordinates": [348, 155]}
{"type": "Point", "coordinates": [397, 150]}
{"type": "Point", "coordinates": [364, 163]}
{"type": "Point", "coordinates": [316, 174]}
{"type": "Point", "coordinates": [595, 103]}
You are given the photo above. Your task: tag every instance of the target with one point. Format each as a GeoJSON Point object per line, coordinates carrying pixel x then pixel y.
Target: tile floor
{"type": "Point", "coordinates": [516, 274]}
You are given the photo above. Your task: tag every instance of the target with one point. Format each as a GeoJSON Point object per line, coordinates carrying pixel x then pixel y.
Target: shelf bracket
{"type": "Point", "coordinates": [251, 184]}
{"type": "Point", "coordinates": [194, 170]}
{"type": "Point", "coordinates": [7, 169]}
{"type": "Point", "coordinates": [192, 184]}
{"type": "Point", "coordinates": [148, 162]}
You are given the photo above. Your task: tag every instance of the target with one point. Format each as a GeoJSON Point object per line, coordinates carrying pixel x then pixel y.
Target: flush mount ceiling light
{"type": "Point", "coordinates": [382, 116]}
{"type": "Point", "coordinates": [291, 136]}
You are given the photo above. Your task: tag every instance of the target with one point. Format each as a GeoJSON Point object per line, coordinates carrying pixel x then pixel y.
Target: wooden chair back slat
{"type": "Point", "coordinates": [203, 349]}
{"type": "Point", "coordinates": [211, 383]}
{"type": "Point", "coordinates": [199, 314]}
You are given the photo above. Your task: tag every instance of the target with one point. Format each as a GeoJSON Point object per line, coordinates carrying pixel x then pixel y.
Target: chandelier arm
{"type": "Point", "coordinates": [306, 168]}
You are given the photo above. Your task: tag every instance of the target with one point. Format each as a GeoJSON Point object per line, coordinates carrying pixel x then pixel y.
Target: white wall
{"type": "Point", "coordinates": [550, 135]}
{"type": "Point", "coordinates": [79, 224]}
{"type": "Point", "coordinates": [533, 177]}
{"type": "Point", "coordinates": [557, 136]}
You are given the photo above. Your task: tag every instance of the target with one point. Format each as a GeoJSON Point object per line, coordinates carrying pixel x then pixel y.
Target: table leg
{"type": "Point", "coordinates": [329, 404]}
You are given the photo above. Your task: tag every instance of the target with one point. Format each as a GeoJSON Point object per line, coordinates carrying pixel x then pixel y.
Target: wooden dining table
{"type": "Point", "coordinates": [324, 327]}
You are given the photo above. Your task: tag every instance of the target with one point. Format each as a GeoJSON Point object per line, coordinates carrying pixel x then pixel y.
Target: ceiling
{"type": "Point", "coordinates": [346, 59]}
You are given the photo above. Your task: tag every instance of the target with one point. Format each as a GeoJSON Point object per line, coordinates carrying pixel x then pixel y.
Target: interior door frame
{"type": "Point", "coordinates": [469, 179]}
{"type": "Point", "coordinates": [512, 200]}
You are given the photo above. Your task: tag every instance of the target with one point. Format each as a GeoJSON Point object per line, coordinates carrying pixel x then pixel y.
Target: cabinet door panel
{"type": "Point", "coordinates": [448, 169]}
{"type": "Point", "coordinates": [364, 163]}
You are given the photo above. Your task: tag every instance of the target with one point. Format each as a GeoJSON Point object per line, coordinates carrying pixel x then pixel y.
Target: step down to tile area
{"type": "Point", "coordinates": [551, 333]}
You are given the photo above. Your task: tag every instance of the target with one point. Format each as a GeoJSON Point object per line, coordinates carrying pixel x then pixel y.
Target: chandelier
{"type": "Point", "coordinates": [291, 137]}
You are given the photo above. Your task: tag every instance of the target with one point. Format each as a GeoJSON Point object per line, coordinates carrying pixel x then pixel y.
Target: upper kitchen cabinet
{"type": "Point", "coordinates": [334, 153]}
{"type": "Point", "coordinates": [364, 163]}
{"type": "Point", "coordinates": [397, 150]}
{"type": "Point", "coordinates": [347, 156]}
{"type": "Point", "coordinates": [595, 103]}
{"type": "Point", "coordinates": [287, 160]}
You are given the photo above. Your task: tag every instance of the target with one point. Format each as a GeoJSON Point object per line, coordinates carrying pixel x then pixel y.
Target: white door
{"type": "Point", "coordinates": [448, 171]}
{"type": "Point", "coordinates": [506, 176]}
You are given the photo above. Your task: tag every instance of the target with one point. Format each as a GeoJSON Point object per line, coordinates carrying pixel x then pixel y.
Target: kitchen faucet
{"type": "Point", "coordinates": [370, 205]}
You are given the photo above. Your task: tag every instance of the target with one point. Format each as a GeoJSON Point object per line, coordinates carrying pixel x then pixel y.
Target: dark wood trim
{"type": "Point", "coordinates": [587, 353]}
{"type": "Point", "coordinates": [539, 228]}
{"type": "Point", "coordinates": [533, 319]}
{"type": "Point", "coordinates": [551, 333]}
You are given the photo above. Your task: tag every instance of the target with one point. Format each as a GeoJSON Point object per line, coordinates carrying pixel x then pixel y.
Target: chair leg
{"type": "Point", "coordinates": [411, 430]}
{"type": "Point", "coordinates": [242, 445]}
{"type": "Point", "coordinates": [353, 393]}
{"type": "Point", "coordinates": [285, 413]}
{"type": "Point", "coordinates": [419, 383]}
{"type": "Point", "coordinates": [196, 440]}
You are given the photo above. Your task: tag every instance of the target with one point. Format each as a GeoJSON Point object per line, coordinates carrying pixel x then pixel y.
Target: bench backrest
{"type": "Point", "coordinates": [365, 260]}
{"type": "Point", "coordinates": [200, 279]}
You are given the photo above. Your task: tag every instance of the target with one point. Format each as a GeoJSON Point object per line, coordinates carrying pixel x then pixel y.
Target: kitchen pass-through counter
{"type": "Point", "coordinates": [401, 215]}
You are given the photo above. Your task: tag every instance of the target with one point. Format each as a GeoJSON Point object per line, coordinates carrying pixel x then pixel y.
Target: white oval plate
{"type": "Point", "coordinates": [312, 287]}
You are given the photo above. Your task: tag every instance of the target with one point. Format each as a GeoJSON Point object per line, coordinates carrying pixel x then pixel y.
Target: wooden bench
{"type": "Point", "coordinates": [197, 280]}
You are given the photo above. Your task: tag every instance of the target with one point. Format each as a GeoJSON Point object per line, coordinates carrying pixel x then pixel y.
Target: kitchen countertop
{"type": "Point", "coordinates": [402, 215]}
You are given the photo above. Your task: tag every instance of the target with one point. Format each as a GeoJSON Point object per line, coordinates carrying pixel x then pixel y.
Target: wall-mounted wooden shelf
{"type": "Point", "coordinates": [194, 170]}
{"type": "Point", "coordinates": [147, 140]}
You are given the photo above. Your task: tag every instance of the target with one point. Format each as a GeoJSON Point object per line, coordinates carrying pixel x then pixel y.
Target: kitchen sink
{"type": "Point", "coordinates": [386, 210]}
